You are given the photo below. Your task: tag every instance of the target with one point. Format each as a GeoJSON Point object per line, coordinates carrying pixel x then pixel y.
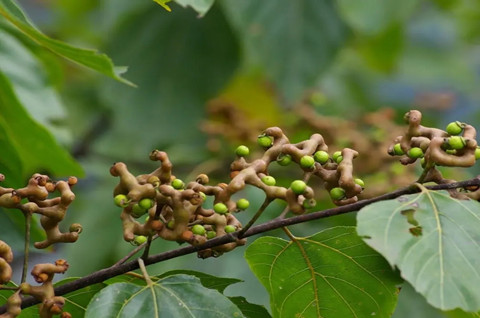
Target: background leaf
{"type": "Point", "coordinates": [174, 296]}
{"type": "Point", "coordinates": [434, 240]}
{"type": "Point", "coordinates": [329, 274]}
{"type": "Point", "coordinates": [201, 6]}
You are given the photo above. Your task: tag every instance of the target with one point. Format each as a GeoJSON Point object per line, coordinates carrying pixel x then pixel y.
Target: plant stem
{"type": "Point", "coordinates": [28, 223]}
{"type": "Point", "coordinates": [144, 272]}
{"type": "Point", "coordinates": [265, 204]}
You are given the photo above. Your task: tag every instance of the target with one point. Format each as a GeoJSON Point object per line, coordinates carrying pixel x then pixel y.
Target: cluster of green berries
{"type": "Point", "coordinates": [138, 209]}
{"type": "Point", "coordinates": [338, 193]}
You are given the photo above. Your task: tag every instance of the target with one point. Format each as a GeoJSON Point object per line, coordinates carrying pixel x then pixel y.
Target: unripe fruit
{"type": "Point", "coordinates": [397, 150]}
{"type": "Point", "coordinates": [264, 141]}
{"type": "Point", "coordinates": [220, 208]}
{"type": "Point", "coordinates": [198, 229]}
{"type": "Point", "coordinates": [454, 128]}
{"type": "Point", "coordinates": [337, 193]}
{"type": "Point", "coordinates": [298, 186]}
{"type": "Point", "coordinates": [230, 229]}
{"type": "Point", "coordinates": [339, 159]}
{"type": "Point", "coordinates": [178, 184]}
{"type": "Point", "coordinates": [211, 234]}
{"type": "Point", "coordinates": [284, 159]}
{"type": "Point", "coordinates": [321, 157]}
{"type": "Point", "coordinates": [477, 153]}
{"type": "Point", "coordinates": [335, 155]}
{"type": "Point", "coordinates": [456, 142]}
{"type": "Point", "coordinates": [269, 180]}
{"type": "Point", "coordinates": [415, 152]}
{"type": "Point", "coordinates": [203, 195]}
{"type": "Point", "coordinates": [307, 162]}
{"type": "Point", "coordinates": [138, 211]}
{"type": "Point", "coordinates": [139, 240]}
{"type": "Point", "coordinates": [243, 204]}
{"type": "Point", "coordinates": [121, 200]}
{"type": "Point", "coordinates": [146, 203]}
{"type": "Point", "coordinates": [359, 182]}
{"type": "Point", "coordinates": [310, 203]}
{"type": "Point", "coordinates": [242, 151]}
{"type": "Point", "coordinates": [171, 224]}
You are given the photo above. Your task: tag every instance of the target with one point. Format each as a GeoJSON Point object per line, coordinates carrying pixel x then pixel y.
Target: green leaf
{"type": "Point", "coordinates": [330, 274]}
{"type": "Point", "coordinates": [250, 310]}
{"type": "Point", "coordinates": [208, 281]}
{"type": "Point", "coordinates": [201, 6]}
{"type": "Point", "coordinates": [294, 40]}
{"type": "Point", "coordinates": [435, 242]}
{"type": "Point", "coordinates": [35, 146]}
{"type": "Point", "coordinates": [89, 58]}
{"type": "Point", "coordinates": [174, 296]}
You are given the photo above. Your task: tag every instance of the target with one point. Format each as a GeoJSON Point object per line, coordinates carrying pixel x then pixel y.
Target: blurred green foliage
{"type": "Point", "coordinates": [260, 57]}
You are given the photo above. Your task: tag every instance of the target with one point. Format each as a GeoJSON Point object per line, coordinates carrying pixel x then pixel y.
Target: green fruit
{"type": "Point", "coordinates": [203, 195]}
{"type": "Point", "coordinates": [397, 150]}
{"type": "Point", "coordinates": [359, 182]}
{"type": "Point", "coordinates": [415, 152]}
{"type": "Point", "coordinates": [310, 203]}
{"type": "Point", "coordinates": [454, 128]}
{"type": "Point", "coordinates": [321, 157]}
{"type": "Point", "coordinates": [220, 208]}
{"type": "Point", "coordinates": [337, 193]}
{"type": "Point", "coordinates": [198, 229]}
{"type": "Point", "coordinates": [146, 203]}
{"type": "Point", "coordinates": [139, 240]}
{"type": "Point", "coordinates": [230, 229]}
{"type": "Point", "coordinates": [339, 159]}
{"type": "Point", "coordinates": [242, 151]}
{"type": "Point", "coordinates": [269, 180]}
{"type": "Point", "coordinates": [335, 155]}
{"type": "Point", "coordinates": [243, 204]}
{"type": "Point", "coordinates": [284, 159]}
{"type": "Point", "coordinates": [138, 211]}
{"type": "Point", "coordinates": [211, 234]}
{"type": "Point", "coordinates": [264, 141]}
{"type": "Point", "coordinates": [477, 153]}
{"type": "Point", "coordinates": [178, 184]}
{"type": "Point", "coordinates": [121, 200]}
{"type": "Point", "coordinates": [171, 224]}
{"type": "Point", "coordinates": [307, 162]}
{"type": "Point", "coordinates": [298, 186]}
{"type": "Point", "coordinates": [456, 142]}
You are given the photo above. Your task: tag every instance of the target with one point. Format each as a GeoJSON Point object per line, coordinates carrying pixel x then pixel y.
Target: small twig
{"type": "Point", "coordinates": [132, 252]}
{"type": "Point", "coordinates": [147, 247]}
{"type": "Point", "coordinates": [28, 223]}
{"type": "Point", "coordinates": [8, 288]}
{"type": "Point", "coordinates": [265, 204]}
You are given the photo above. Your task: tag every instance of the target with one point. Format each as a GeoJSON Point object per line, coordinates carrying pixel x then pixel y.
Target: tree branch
{"type": "Point", "coordinates": [119, 269]}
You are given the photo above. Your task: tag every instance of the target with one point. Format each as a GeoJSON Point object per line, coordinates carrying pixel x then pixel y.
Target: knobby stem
{"type": "Point", "coordinates": [28, 223]}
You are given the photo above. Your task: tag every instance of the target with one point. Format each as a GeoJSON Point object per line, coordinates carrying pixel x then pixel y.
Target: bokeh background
{"type": "Point", "coordinates": [210, 81]}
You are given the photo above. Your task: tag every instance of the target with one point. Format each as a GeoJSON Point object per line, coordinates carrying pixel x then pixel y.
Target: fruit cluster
{"type": "Point", "coordinates": [453, 147]}
{"type": "Point", "coordinates": [176, 210]}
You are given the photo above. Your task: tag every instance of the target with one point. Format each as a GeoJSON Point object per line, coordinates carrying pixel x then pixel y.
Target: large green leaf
{"type": "Point", "coordinates": [201, 6]}
{"type": "Point", "coordinates": [330, 274]}
{"type": "Point", "coordinates": [174, 296]}
{"type": "Point", "coordinates": [34, 145]}
{"type": "Point", "coordinates": [208, 281]}
{"type": "Point", "coordinates": [250, 310]}
{"type": "Point", "coordinates": [294, 40]}
{"type": "Point", "coordinates": [89, 58]}
{"type": "Point", "coordinates": [435, 242]}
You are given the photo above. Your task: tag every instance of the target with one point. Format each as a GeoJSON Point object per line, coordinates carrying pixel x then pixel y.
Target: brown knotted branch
{"type": "Point", "coordinates": [119, 269]}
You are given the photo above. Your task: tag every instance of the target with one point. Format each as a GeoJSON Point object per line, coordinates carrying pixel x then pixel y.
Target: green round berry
{"type": "Point", "coordinates": [146, 203]}
{"type": "Point", "coordinates": [203, 196]}
{"type": "Point", "coordinates": [307, 162]}
{"type": "Point", "coordinates": [211, 234]}
{"type": "Point", "coordinates": [230, 228]}
{"type": "Point", "coordinates": [220, 208]}
{"type": "Point", "coordinates": [456, 142]}
{"type": "Point", "coordinates": [454, 128]}
{"type": "Point", "coordinates": [269, 180]}
{"type": "Point", "coordinates": [171, 224]}
{"type": "Point", "coordinates": [321, 156]}
{"type": "Point", "coordinates": [359, 182]}
{"type": "Point", "coordinates": [451, 151]}
{"type": "Point", "coordinates": [139, 240]}
{"type": "Point", "coordinates": [242, 151]}
{"type": "Point", "coordinates": [121, 200]}
{"type": "Point", "coordinates": [415, 152]}
{"type": "Point", "coordinates": [310, 203]}
{"type": "Point", "coordinates": [198, 229]}
{"type": "Point", "coordinates": [397, 150]}
{"type": "Point", "coordinates": [335, 155]}
{"type": "Point", "coordinates": [337, 193]}
{"type": "Point", "coordinates": [138, 211]}
{"type": "Point", "coordinates": [339, 159]}
{"type": "Point", "coordinates": [264, 141]}
{"type": "Point", "coordinates": [178, 184]}
{"type": "Point", "coordinates": [298, 186]}
{"type": "Point", "coordinates": [284, 159]}
{"type": "Point", "coordinates": [477, 153]}
{"type": "Point", "coordinates": [243, 204]}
